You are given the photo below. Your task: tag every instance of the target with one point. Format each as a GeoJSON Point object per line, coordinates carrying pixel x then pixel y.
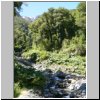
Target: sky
{"type": "Point", "coordinates": [33, 9]}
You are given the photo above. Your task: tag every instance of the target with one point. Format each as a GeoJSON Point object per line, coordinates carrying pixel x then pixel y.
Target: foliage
{"type": "Point", "coordinates": [22, 38]}
{"type": "Point", "coordinates": [17, 90]}
{"type": "Point", "coordinates": [52, 27]}
{"type": "Point", "coordinates": [49, 30]}
{"type": "Point", "coordinates": [39, 55]}
{"type": "Point", "coordinates": [57, 36]}
{"type": "Point", "coordinates": [17, 8]}
{"type": "Point", "coordinates": [68, 62]}
{"type": "Point", "coordinates": [80, 18]}
{"type": "Point", "coordinates": [26, 78]}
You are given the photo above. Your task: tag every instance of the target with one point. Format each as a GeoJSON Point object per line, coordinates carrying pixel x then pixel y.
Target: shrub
{"type": "Point", "coordinates": [33, 57]}
{"type": "Point", "coordinates": [38, 81]}
{"type": "Point", "coordinates": [17, 90]}
{"type": "Point", "coordinates": [36, 55]}
{"type": "Point", "coordinates": [81, 50]}
{"type": "Point", "coordinates": [27, 78]}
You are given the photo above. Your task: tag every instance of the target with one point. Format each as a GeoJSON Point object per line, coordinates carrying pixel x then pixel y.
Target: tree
{"type": "Point", "coordinates": [17, 8]}
{"type": "Point", "coordinates": [82, 7]}
{"type": "Point", "coordinates": [53, 26]}
{"type": "Point", "coordinates": [80, 18]}
{"type": "Point", "coordinates": [22, 38]}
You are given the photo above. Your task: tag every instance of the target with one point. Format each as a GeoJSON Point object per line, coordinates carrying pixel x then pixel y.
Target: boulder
{"type": "Point", "coordinates": [61, 75]}
{"type": "Point", "coordinates": [61, 84]}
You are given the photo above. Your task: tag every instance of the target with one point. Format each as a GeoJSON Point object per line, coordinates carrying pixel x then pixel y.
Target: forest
{"type": "Point", "coordinates": [52, 44]}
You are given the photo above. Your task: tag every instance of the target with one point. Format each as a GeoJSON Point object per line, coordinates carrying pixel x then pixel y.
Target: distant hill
{"type": "Point", "coordinates": [29, 19]}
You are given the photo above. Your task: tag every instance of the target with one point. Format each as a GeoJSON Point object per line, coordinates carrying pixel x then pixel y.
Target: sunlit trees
{"type": "Point", "coordinates": [53, 26]}
{"type": "Point", "coordinates": [49, 30]}
{"type": "Point", "coordinates": [21, 35]}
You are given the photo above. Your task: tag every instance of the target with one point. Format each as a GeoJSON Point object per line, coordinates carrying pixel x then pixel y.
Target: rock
{"type": "Point", "coordinates": [75, 85]}
{"type": "Point", "coordinates": [52, 89]}
{"type": "Point", "coordinates": [49, 84]}
{"type": "Point", "coordinates": [57, 79]}
{"type": "Point", "coordinates": [80, 84]}
{"type": "Point", "coordinates": [66, 96]}
{"type": "Point", "coordinates": [83, 94]}
{"type": "Point", "coordinates": [61, 75]}
{"type": "Point", "coordinates": [64, 92]}
{"type": "Point", "coordinates": [68, 76]}
{"type": "Point", "coordinates": [49, 70]}
{"type": "Point", "coordinates": [72, 81]}
{"type": "Point", "coordinates": [47, 75]}
{"type": "Point", "coordinates": [29, 94]}
{"type": "Point", "coordinates": [72, 95]}
{"type": "Point", "coordinates": [48, 95]}
{"type": "Point", "coordinates": [61, 84]}
{"type": "Point", "coordinates": [71, 87]}
{"type": "Point", "coordinates": [46, 90]}
{"type": "Point", "coordinates": [84, 91]}
{"type": "Point", "coordinates": [69, 81]}
{"type": "Point", "coordinates": [58, 94]}
{"type": "Point", "coordinates": [83, 87]}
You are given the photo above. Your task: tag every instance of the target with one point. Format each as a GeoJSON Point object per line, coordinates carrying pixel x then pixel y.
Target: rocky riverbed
{"type": "Point", "coordinates": [59, 83]}
{"type": "Point", "coordinates": [62, 85]}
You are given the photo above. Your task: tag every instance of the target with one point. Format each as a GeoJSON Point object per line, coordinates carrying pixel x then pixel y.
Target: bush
{"type": "Point", "coordinates": [38, 80]}
{"type": "Point", "coordinates": [33, 57]}
{"type": "Point", "coordinates": [76, 46]}
{"type": "Point", "coordinates": [58, 58]}
{"type": "Point", "coordinates": [17, 90]}
{"type": "Point", "coordinates": [27, 78]}
{"type": "Point", "coordinates": [65, 43]}
{"type": "Point", "coordinates": [36, 55]}
{"type": "Point", "coordinates": [81, 50]}
{"type": "Point", "coordinates": [64, 59]}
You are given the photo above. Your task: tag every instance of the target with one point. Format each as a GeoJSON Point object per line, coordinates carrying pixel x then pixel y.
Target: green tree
{"type": "Point", "coordinates": [82, 7]}
{"type": "Point", "coordinates": [53, 26]}
{"type": "Point", "coordinates": [80, 18]}
{"type": "Point", "coordinates": [17, 8]}
{"type": "Point", "coordinates": [22, 38]}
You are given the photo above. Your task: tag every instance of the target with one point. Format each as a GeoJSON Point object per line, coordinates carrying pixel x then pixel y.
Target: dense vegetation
{"type": "Point", "coordinates": [57, 36]}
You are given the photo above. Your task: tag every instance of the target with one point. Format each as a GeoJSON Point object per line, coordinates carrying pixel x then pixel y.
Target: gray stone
{"type": "Point", "coordinates": [57, 79]}
{"type": "Point", "coordinates": [83, 86]}
{"type": "Point", "coordinates": [66, 96]}
{"type": "Point", "coordinates": [69, 81]}
{"type": "Point", "coordinates": [61, 75]}
{"type": "Point", "coordinates": [68, 76]}
{"type": "Point", "coordinates": [48, 95]}
{"type": "Point", "coordinates": [46, 90]}
{"type": "Point", "coordinates": [62, 85]}
{"type": "Point", "coordinates": [52, 89]}
{"type": "Point", "coordinates": [72, 95]}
